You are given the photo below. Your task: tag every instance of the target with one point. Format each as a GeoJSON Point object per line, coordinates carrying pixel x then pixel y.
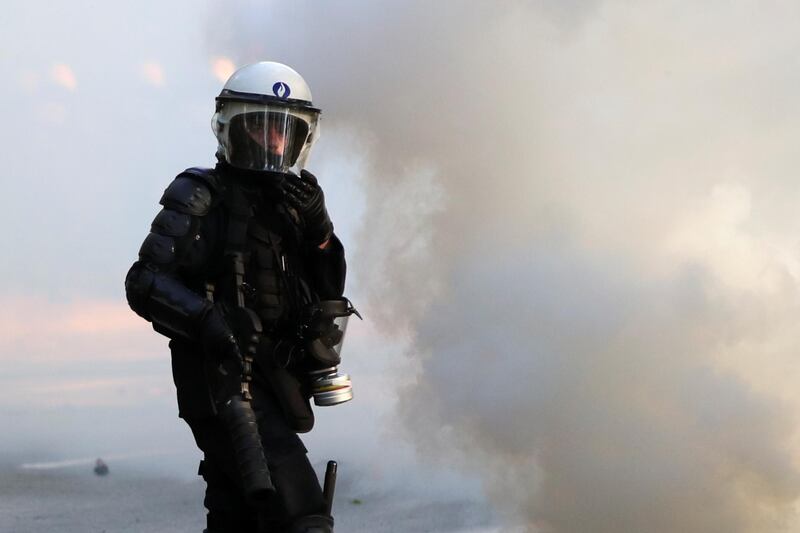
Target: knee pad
{"type": "Point", "coordinates": [299, 491]}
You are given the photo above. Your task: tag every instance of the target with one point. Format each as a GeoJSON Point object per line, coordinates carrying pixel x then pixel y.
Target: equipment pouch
{"type": "Point", "coordinates": [293, 401]}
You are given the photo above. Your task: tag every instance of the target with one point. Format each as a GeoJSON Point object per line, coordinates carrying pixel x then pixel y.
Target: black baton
{"type": "Point", "coordinates": [330, 486]}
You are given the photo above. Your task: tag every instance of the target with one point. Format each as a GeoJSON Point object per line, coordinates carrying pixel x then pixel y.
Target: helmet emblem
{"type": "Point", "coordinates": [281, 90]}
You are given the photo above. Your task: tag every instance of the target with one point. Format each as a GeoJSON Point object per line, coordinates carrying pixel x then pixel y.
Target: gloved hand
{"type": "Point", "coordinates": [305, 195]}
{"type": "Point", "coordinates": [217, 336]}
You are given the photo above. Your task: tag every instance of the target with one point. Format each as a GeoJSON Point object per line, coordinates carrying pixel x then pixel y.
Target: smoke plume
{"type": "Point", "coordinates": [583, 214]}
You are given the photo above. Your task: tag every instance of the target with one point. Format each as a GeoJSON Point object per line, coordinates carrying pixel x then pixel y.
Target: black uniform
{"type": "Point", "coordinates": [183, 268]}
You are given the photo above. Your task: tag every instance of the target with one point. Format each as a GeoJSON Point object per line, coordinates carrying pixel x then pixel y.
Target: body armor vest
{"type": "Point", "coordinates": [274, 271]}
{"type": "Point", "coordinates": [266, 234]}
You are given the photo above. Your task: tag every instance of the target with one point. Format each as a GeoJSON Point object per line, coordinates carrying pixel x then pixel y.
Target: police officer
{"type": "Point", "coordinates": [232, 262]}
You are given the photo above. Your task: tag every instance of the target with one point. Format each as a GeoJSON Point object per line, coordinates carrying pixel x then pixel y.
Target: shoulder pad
{"type": "Point", "coordinates": [208, 176]}
{"type": "Point", "coordinates": [171, 223]}
{"type": "Point", "coordinates": [187, 195]}
{"type": "Point", "coordinates": [158, 249]}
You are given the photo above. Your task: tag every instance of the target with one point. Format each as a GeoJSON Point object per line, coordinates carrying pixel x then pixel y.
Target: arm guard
{"type": "Point", "coordinates": [158, 297]}
{"type": "Point", "coordinates": [175, 250]}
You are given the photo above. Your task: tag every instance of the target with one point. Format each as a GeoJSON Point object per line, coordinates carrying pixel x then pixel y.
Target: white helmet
{"type": "Point", "coordinates": [265, 119]}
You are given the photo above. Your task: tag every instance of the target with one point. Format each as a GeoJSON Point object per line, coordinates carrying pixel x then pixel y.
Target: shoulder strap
{"type": "Point", "coordinates": [240, 211]}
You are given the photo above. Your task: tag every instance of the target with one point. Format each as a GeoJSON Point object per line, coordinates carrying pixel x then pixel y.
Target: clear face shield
{"type": "Point", "coordinates": [258, 136]}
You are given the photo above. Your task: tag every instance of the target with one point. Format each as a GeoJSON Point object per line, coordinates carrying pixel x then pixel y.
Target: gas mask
{"type": "Point", "coordinates": [324, 331]}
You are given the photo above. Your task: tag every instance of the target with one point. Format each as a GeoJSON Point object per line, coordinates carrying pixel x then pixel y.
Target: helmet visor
{"type": "Point", "coordinates": [266, 138]}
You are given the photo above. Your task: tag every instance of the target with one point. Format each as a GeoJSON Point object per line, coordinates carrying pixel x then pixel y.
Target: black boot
{"type": "Point", "coordinates": [316, 523]}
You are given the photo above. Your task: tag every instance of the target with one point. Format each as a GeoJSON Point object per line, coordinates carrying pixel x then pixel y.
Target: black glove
{"type": "Point", "coordinates": [217, 336]}
{"type": "Point", "coordinates": [305, 195]}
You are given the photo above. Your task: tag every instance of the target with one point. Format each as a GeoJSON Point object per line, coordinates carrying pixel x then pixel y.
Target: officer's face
{"type": "Point", "coordinates": [274, 141]}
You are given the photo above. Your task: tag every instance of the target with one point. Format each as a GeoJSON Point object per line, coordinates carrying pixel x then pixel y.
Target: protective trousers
{"type": "Point", "coordinates": [298, 492]}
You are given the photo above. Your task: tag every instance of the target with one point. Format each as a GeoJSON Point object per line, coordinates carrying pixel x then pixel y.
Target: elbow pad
{"type": "Point", "coordinates": [174, 309]}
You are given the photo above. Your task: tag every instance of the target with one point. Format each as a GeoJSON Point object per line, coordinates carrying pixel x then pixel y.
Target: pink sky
{"type": "Point", "coordinates": [38, 330]}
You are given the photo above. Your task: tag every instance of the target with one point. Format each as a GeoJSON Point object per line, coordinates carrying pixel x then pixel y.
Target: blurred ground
{"type": "Point", "coordinates": [72, 499]}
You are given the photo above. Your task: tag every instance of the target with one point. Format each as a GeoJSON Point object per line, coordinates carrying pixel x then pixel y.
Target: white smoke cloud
{"type": "Point", "coordinates": [584, 217]}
